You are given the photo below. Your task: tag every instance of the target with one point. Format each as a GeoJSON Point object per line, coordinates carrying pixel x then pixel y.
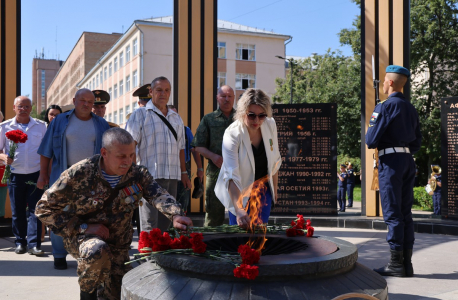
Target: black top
{"type": "Point", "coordinates": [260, 161]}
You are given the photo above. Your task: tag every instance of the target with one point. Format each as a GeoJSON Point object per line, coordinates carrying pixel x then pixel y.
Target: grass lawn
{"type": "Point", "coordinates": [357, 193]}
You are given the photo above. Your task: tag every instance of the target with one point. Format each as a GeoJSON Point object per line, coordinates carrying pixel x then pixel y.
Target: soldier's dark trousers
{"type": "Point", "coordinates": [350, 188]}
{"type": "Point", "coordinates": [341, 194]}
{"type": "Point", "coordinates": [396, 180]}
{"type": "Point", "coordinates": [22, 197]}
{"type": "Point", "coordinates": [101, 267]}
{"type": "Point", "coordinates": [437, 203]}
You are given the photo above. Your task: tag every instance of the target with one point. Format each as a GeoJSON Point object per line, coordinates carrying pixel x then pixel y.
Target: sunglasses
{"type": "Point", "coordinates": [252, 116]}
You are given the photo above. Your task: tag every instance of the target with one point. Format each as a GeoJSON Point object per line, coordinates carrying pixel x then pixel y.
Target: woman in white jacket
{"type": "Point", "coordinates": [250, 154]}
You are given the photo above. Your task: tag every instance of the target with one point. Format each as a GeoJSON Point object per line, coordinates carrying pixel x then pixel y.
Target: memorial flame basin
{"type": "Point", "coordinates": [302, 267]}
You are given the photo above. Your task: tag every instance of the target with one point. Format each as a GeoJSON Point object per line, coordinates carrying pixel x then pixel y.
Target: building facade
{"type": "Point", "coordinates": [87, 51]}
{"type": "Point", "coordinates": [246, 58]}
{"type": "Point", "coordinates": [43, 73]}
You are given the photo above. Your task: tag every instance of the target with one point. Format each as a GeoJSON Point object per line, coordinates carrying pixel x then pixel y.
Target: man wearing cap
{"type": "Point", "coordinates": [159, 135]}
{"type": "Point", "coordinates": [143, 94]}
{"type": "Point", "coordinates": [100, 105]}
{"type": "Point", "coordinates": [394, 130]}
{"type": "Point", "coordinates": [208, 141]}
{"type": "Point", "coordinates": [70, 138]}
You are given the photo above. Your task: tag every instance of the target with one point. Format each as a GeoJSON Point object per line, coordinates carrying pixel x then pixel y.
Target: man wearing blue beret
{"type": "Point", "coordinates": [394, 130]}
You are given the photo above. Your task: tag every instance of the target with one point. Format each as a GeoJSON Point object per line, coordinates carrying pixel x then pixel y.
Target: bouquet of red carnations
{"type": "Point", "coordinates": [15, 136]}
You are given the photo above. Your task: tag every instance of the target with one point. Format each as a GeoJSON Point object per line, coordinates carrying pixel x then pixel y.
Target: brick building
{"type": "Point", "coordinates": [43, 72]}
{"type": "Point", "coordinates": [87, 51]}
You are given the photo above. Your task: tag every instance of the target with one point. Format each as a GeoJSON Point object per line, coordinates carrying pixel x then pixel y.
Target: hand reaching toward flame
{"type": "Point", "coordinates": [243, 219]}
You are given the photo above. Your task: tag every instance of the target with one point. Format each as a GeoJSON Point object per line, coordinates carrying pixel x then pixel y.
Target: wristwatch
{"type": "Point", "coordinates": [83, 228]}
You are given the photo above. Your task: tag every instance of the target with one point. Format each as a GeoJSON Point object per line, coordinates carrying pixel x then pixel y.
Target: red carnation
{"type": "Point", "coordinates": [246, 271]}
{"type": "Point", "coordinates": [290, 232]}
{"type": "Point", "coordinates": [155, 234]}
{"type": "Point", "coordinates": [185, 242]}
{"type": "Point", "coordinates": [310, 231]}
{"type": "Point", "coordinates": [300, 232]}
{"type": "Point", "coordinates": [143, 242]}
{"type": "Point", "coordinates": [16, 136]}
{"type": "Point", "coordinates": [198, 246]}
{"type": "Point", "coordinates": [176, 244]}
{"type": "Point", "coordinates": [309, 223]}
{"type": "Point", "coordinates": [249, 256]}
{"type": "Point", "coordinates": [293, 223]}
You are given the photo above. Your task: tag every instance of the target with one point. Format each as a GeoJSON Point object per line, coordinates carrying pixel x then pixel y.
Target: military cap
{"type": "Point", "coordinates": [143, 92]}
{"type": "Point", "coordinates": [101, 97]}
{"type": "Point", "coordinates": [397, 69]}
{"type": "Point", "coordinates": [343, 166]}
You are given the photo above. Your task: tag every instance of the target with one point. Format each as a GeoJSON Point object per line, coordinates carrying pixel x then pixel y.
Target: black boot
{"type": "Point", "coordinates": [395, 267]}
{"type": "Point", "coordinates": [88, 296]}
{"type": "Point", "coordinates": [408, 262]}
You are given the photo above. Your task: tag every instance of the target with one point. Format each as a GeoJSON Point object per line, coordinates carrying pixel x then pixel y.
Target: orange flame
{"type": "Point", "coordinates": [300, 127]}
{"type": "Point", "coordinates": [255, 193]}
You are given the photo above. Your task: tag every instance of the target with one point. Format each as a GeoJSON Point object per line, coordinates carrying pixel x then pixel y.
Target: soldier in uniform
{"type": "Point", "coordinates": [436, 175]}
{"type": "Point", "coordinates": [143, 94]}
{"type": "Point", "coordinates": [350, 184]}
{"type": "Point", "coordinates": [91, 207]}
{"type": "Point", "coordinates": [100, 105]}
{"type": "Point", "coordinates": [342, 191]}
{"type": "Point", "coordinates": [394, 129]}
{"type": "Point", "coordinates": [208, 141]}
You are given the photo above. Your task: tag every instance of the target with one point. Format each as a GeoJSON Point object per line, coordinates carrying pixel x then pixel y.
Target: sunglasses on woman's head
{"type": "Point", "coordinates": [252, 116]}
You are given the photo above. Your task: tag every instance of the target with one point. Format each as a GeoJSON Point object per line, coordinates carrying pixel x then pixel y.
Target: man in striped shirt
{"type": "Point", "coordinates": [159, 135]}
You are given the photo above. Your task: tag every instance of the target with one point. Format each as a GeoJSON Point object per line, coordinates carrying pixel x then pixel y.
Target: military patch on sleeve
{"type": "Point", "coordinates": [373, 119]}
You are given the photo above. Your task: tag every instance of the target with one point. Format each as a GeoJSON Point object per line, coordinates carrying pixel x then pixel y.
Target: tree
{"type": "Point", "coordinates": [434, 51]}
{"type": "Point", "coordinates": [329, 78]}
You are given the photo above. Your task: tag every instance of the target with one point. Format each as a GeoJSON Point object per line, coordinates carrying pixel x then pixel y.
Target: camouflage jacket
{"type": "Point", "coordinates": [78, 197]}
{"type": "Point", "coordinates": [210, 134]}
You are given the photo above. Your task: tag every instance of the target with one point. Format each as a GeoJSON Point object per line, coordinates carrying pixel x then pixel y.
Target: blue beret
{"type": "Point", "coordinates": [398, 69]}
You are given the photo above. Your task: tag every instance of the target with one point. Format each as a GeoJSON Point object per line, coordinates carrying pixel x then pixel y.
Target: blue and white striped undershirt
{"type": "Point", "coordinates": [112, 179]}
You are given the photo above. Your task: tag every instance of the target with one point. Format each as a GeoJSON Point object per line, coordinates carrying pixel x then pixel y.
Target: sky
{"type": "Point", "coordinates": [56, 25]}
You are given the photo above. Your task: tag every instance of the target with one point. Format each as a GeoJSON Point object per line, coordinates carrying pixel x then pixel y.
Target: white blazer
{"type": "Point", "coordinates": [238, 160]}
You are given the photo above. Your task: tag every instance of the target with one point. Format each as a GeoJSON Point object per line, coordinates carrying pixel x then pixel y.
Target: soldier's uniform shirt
{"type": "Point", "coordinates": [395, 123]}
{"type": "Point", "coordinates": [437, 196]}
{"type": "Point", "coordinates": [210, 134]}
{"type": "Point", "coordinates": [78, 197]}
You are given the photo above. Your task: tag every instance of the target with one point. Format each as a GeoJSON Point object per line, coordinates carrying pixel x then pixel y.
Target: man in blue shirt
{"type": "Point", "coordinates": [394, 129]}
{"type": "Point", "coordinates": [71, 137]}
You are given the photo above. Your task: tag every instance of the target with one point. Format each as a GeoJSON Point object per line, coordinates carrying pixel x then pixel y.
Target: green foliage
{"type": "Point", "coordinates": [355, 161]}
{"type": "Point", "coordinates": [422, 199]}
{"type": "Point", "coordinates": [434, 51]}
{"type": "Point", "coordinates": [329, 78]}
{"type": "Point", "coordinates": [35, 115]}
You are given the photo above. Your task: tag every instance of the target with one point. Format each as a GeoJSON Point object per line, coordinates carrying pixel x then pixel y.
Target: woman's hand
{"type": "Point", "coordinates": [243, 220]}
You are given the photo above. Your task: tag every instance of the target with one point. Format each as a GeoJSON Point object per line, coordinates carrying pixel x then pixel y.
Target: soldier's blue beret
{"type": "Point", "coordinates": [398, 69]}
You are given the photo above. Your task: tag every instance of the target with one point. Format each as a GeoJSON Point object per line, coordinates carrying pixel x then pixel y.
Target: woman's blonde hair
{"type": "Point", "coordinates": [249, 97]}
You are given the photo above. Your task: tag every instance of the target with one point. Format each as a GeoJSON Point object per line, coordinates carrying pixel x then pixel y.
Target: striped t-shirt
{"type": "Point", "coordinates": [112, 179]}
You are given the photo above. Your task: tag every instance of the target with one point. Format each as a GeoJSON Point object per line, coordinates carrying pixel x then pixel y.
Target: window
{"type": "Point", "coordinates": [121, 89]}
{"type": "Point", "coordinates": [43, 84]}
{"type": "Point", "coordinates": [128, 53]}
{"type": "Point", "coordinates": [93, 83]}
{"type": "Point", "coordinates": [134, 106]}
{"type": "Point", "coordinates": [221, 49]}
{"type": "Point", "coordinates": [109, 118]}
{"type": "Point", "coordinates": [109, 69]}
{"type": "Point", "coordinates": [115, 90]}
{"type": "Point", "coordinates": [221, 79]}
{"type": "Point", "coordinates": [121, 59]}
{"type": "Point", "coordinates": [121, 116]}
{"type": "Point", "coordinates": [110, 91]}
{"type": "Point", "coordinates": [115, 117]}
{"type": "Point", "coordinates": [245, 52]}
{"type": "Point", "coordinates": [97, 80]}
{"type": "Point", "coordinates": [127, 83]}
{"type": "Point", "coordinates": [135, 47]}
{"type": "Point", "coordinates": [105, 73]}
{"type": "Point", "coordinates": [101, 78]}
{"type": "Point", "coordinates": [127, 110]}
{"type": "Point", "coordinates": [134, 78]}
{"type": "Point", "coordinates": [245, 81]}
{"type": "Point", "coordinates": [90, 85]}
{"type": "Point", "coordinates": [116, 64]}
